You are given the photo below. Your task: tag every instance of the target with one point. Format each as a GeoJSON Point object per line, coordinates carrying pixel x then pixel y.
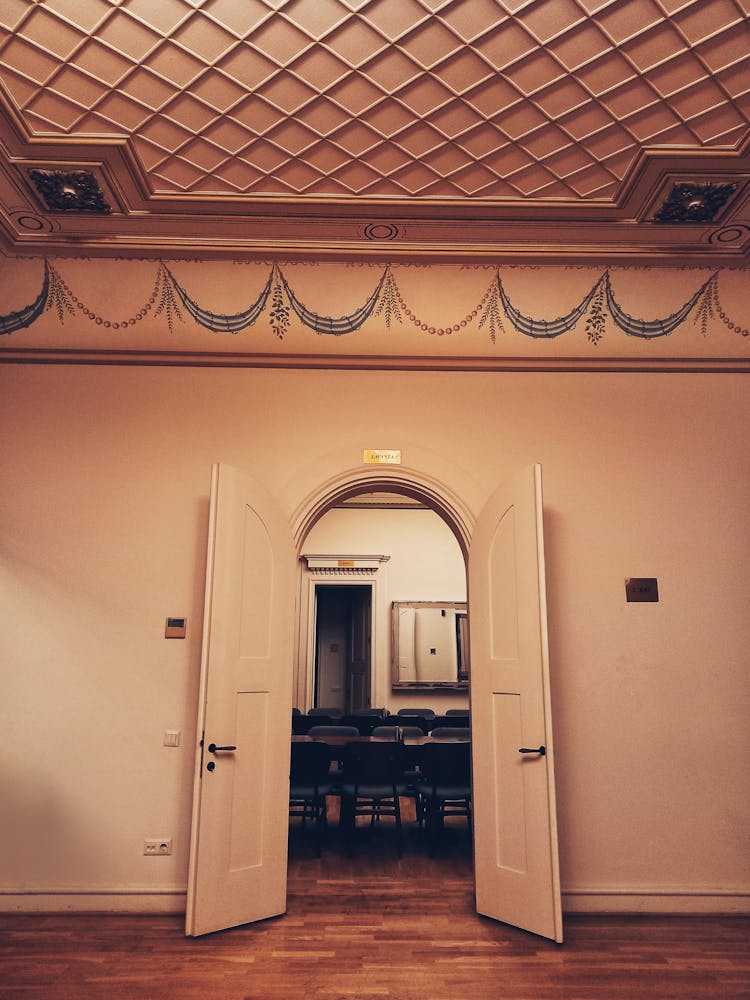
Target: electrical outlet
{"type": "Point", "coordinates": [157, 846]}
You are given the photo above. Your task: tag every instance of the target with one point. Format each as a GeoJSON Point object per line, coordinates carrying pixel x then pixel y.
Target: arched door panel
{"type": "Point", "coordinates": [515, 825]}
{"type": "Point", "coordinates": [238, 857]}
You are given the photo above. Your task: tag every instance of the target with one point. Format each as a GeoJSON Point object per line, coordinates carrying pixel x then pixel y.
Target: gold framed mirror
{"type": "Point", "coordinates": [429, 645]}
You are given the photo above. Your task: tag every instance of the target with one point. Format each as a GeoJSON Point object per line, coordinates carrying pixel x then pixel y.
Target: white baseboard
{"type": "Point", "coordinates": [171, 899]}
{"type": "Point", "coordinates": [146, 900]}
{"type": "Point", "coordinates": [656, 901]}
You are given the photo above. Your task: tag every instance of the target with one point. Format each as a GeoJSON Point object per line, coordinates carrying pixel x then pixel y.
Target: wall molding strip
{"type": "Point", "coordinates": [202, 359]}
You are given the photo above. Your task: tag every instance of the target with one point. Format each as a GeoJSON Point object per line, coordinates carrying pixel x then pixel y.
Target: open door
{"type": "Point", "coordinates": [358, 680]}
{"type": "Point", "coordinates": [238, 848]}
{"type": "Point", "coordinates": [515, 826]}
{"type": "Point", "coordinates": [343, 615]}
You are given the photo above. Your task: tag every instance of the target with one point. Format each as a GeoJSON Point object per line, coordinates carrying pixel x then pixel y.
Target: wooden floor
{"type": "Point", "coordinates": [369, 926]}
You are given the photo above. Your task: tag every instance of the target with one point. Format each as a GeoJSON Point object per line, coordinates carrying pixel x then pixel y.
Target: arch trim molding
{"type": "Point", "coordinates": [407, 481]}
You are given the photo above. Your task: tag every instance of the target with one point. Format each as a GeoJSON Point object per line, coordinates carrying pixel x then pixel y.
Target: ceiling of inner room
{"type": "Point", "coordinates": [549, 130]}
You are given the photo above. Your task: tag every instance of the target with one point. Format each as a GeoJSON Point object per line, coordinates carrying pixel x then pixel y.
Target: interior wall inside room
{"type": "Point", "coordinates": [424, 563]}
{"type": "Point", "coordinates": [103, 535]}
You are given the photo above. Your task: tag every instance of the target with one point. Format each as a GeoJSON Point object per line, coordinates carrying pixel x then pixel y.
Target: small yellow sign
{"type": "Point", "coordinates": [382, 456]}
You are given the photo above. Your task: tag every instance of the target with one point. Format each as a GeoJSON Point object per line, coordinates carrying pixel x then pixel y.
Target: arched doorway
{"type": "Point", "coordinates": [365, 553]}
{"type": "Point", "coordinates": [404, 482]}
{"type": "Point", "coordinates": [392, 554]}
{"type": "Point", "coordinates": [410, 482]}
{"type": "Point", "coordinates": [238, 857]}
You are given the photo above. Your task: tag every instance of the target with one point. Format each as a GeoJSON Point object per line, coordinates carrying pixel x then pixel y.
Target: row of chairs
{"type": "Point", "coordinates": [372, 780]}
{"type": "Point", "coordinates": [389, 731]}
{"type": "Point", "coordinates": [367, 720]}
{"type": "Point", "coordinates": [422, 713]}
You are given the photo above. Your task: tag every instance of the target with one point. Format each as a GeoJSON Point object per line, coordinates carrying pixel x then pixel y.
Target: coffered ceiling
{"type": "Point", "coordinates": [548, 130]}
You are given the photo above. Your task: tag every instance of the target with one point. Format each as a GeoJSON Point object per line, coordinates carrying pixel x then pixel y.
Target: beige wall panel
{"type": "Point", "coordinates": [103, 534]}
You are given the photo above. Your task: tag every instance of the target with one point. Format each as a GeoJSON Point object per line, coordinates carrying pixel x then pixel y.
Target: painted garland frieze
{"type": "Point", "coordinates": [278, 301]}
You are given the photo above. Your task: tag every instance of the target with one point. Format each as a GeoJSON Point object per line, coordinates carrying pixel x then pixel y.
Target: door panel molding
{"type": "Point", "coordinates": [237, 867]}
{"type": "Point", "coordinates": [515, 859]}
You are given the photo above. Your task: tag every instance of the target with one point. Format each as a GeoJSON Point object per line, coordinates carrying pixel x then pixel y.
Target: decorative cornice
{"type": "Point", "coordinates": [481, 230]}
{"type": "Point", "coordinates": [343, 565]}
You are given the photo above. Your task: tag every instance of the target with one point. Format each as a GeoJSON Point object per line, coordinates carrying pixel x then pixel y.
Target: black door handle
{"type": "Point", "coordinates": [212, 748]}
{"type": "Point", "coordinates": [542, 751]}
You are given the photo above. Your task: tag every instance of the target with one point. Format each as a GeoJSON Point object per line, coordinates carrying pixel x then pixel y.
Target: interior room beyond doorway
{"type": "Point", "coordinates": [419, 559]}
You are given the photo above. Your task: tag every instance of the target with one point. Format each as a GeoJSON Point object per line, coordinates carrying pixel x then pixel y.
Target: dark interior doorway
{"type": "Point", "coordinates": [343, 629]}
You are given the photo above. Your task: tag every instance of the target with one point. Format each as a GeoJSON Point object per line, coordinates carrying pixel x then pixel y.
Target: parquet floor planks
{"type": "Point", "coordinates": [369, 926]}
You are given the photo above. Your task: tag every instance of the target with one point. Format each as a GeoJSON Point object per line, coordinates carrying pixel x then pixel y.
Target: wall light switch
{"type": "Point", "coordinates": [172, 738]}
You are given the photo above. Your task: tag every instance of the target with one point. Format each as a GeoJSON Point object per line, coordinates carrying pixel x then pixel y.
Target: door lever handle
{"type": "Point", "coordinates": [212, 748]}
{"type": "Point", "coordinates": [542, 751]}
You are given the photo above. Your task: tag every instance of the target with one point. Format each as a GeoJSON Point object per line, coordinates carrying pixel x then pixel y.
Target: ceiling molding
{"type": "Point", "coordinates": [440, 230]}
{"type": "Point", "coordinates": [445, 132]}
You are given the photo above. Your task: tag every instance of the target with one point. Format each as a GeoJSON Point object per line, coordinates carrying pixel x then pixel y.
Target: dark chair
{"type": "Point", "coordinates": [413, 721]}
{"type": "Point", "coordinates": [451, 720]}
{"type": "Point", "coordinates": [335, 755]}
{"type": "Point", "coordinates": [445, 786]}
{"type": "Point", "coordinates": [372, 783]}
{"type": "Point", "coordinates": [330, 713]}
{"type": "Point", "coordinates": [364, 722]}
{"type": "Point", "coordinates": [296, 711]}
{"type": "Point", "coordinates": [302, 724]}
{"type": "Point", "coordinates": [412, 773]}
{"type": "Point", "coordinates": [424, 713]}
{"type": "Point", "coordinates": [450, 733]}
{"type": "Point", "coordinates": [395, 732]}
{"type": "Point", "coordinates": [333, 729]}
{"type": "Point", "coordinates": [462, 713]}
{"type": "Point", "coordinates": [309, 783]}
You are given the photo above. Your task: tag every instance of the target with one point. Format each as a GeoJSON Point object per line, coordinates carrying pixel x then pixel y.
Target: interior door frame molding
{"type": "Point", "coordinates": [294, 529]}
{"type": "Point", "coordinates": [406, 480]}
{"type": "Point", "coordinates": [304, 680]}
{"type": "Point", "coordinates": [402, 479]}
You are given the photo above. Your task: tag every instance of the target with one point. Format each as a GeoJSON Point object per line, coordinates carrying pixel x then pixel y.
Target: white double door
{"type": "Point", "coordinates": [238, 856]}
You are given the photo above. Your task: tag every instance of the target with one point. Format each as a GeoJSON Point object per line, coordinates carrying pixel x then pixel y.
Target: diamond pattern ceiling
{"type": "Point", "coordinates": [430, 109]}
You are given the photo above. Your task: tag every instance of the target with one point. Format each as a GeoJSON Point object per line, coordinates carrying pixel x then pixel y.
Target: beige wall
{"type": "Point", "coordinates": [103, 534]}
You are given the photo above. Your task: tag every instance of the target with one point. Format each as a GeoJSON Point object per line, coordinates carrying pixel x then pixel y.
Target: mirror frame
{"type": "Point", "coordinates": [462, 681]}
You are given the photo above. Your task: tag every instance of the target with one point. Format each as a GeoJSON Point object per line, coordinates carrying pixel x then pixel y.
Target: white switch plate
{"type": "Point", "coordinates": [172, 738]}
